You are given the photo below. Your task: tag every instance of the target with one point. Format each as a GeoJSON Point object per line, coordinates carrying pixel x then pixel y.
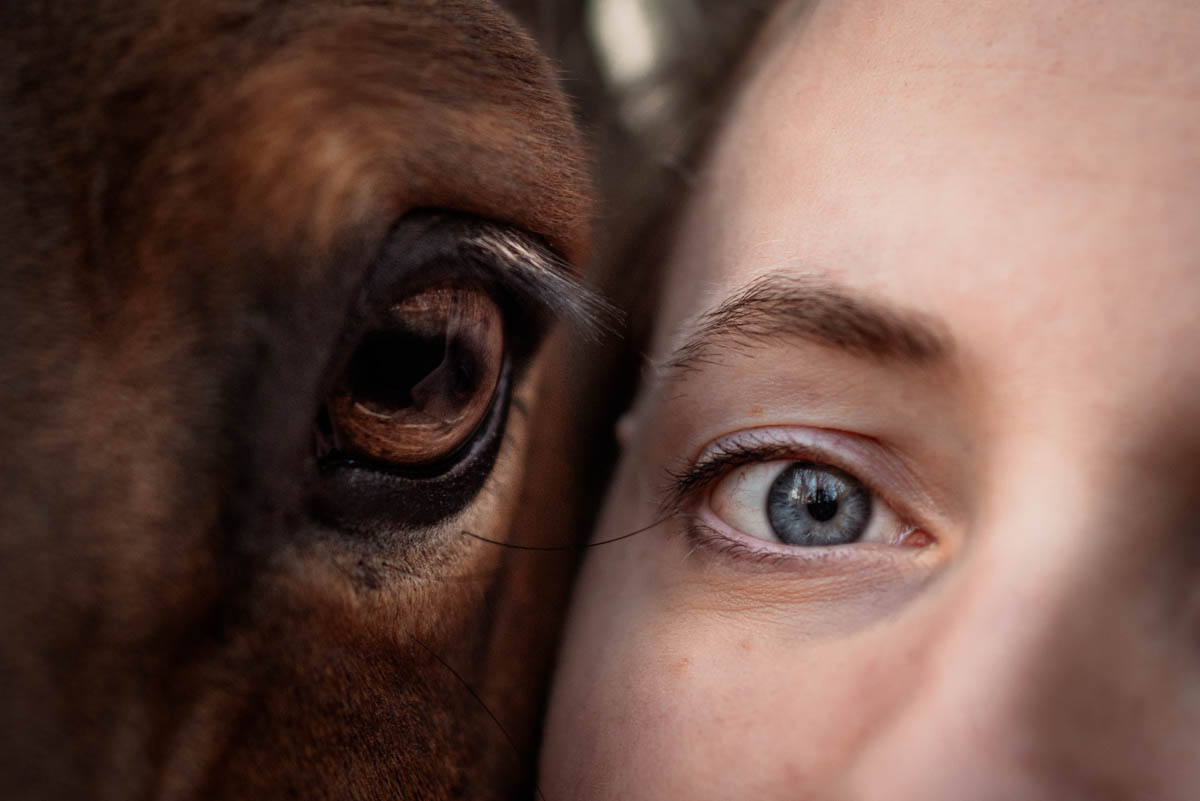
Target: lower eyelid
{"type": "Point", "coordinates": [811, 593]}
{"type": "Point", "coordinates": [860, 559]}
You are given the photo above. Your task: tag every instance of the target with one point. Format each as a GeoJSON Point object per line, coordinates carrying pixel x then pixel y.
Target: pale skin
{"type": "Point", "coordinates": [1016, 185]}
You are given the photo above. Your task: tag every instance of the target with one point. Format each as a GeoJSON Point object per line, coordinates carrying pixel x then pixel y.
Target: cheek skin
{"type": "Point", "coordinates": [666, 690]}
{"type": "Point", "coordinates": [698, 706]}
{"type": "Point", "coordinates": [593, 727]}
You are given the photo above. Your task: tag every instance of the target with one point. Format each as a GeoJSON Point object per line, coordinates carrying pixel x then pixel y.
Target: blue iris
{"type": "Point", "coordinates": [816, 504]}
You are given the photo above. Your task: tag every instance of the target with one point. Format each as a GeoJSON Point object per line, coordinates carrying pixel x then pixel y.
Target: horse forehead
{"type": "Point", "coordinates": [355, 121]}
{"type": "Point", "coordinates": [206, 127]}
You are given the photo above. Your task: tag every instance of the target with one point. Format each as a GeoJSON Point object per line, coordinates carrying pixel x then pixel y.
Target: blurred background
{"type": "Point", "coordinates": [646, 78]}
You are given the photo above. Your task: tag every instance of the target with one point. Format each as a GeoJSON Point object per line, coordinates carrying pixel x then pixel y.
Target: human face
{"type": "Point", "coordinates": [943, 267]}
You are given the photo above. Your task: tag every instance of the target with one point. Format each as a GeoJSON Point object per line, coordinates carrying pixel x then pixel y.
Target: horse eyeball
{"type": "Point", "coordinates": [416, 389]}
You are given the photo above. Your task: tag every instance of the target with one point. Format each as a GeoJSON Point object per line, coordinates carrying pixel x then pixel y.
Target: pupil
{"type": "Point", "coordinates": [823, 507]}
{"type": "Point", "coordinates": [817, 504]}
{"type": "Point", "coordinates": [388, 365]}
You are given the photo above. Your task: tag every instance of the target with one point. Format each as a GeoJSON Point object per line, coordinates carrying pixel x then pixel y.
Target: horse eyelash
{"type": "Point", "coordinates": [539, 273]}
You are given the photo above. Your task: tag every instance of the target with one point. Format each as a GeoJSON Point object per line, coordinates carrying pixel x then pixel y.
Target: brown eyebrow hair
{"type": "Point", "coordinates": [818, 311]}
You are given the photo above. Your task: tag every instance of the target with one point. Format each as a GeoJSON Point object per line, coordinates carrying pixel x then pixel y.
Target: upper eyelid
{"type": "Point", "coordinates": [685, 482]}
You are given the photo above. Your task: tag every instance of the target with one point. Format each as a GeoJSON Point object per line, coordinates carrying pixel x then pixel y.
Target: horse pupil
{"type": "Point", "coordinates": [388, 365]}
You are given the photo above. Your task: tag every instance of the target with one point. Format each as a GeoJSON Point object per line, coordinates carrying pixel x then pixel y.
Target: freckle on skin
{"type": "Point", "coordinates": [745, 644]}
{"type": "Point", "coordinates": [680, 666]}
{"type": "Point", "coordinates": [756, 411]}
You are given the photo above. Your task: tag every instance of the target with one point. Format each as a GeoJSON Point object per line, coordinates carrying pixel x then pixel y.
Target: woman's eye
{"type": "Point", "coordinates": [803, 503]}
{"type": "Point", "coordinates": [418, 386]}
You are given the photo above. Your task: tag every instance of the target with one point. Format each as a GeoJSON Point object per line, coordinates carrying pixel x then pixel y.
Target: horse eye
{"type": "Point", "coordinates": [420, 384]}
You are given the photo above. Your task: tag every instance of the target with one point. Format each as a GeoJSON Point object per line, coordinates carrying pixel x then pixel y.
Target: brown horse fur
{"type": "Point", "coordinates": [192, 194]}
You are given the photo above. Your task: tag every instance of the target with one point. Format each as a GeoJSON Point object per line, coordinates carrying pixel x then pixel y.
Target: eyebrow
{"type": "Point", "coordinates": [814, 310]}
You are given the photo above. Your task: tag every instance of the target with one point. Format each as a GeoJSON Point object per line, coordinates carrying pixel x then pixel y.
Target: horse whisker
{"type": "Point", "coordinates": [471, 690]}
{"type": "Point", "coordinates": [566, 548]}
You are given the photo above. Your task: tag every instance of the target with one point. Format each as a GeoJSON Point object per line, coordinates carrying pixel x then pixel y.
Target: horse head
{"type": "Point", "coordinates": [275, 277]}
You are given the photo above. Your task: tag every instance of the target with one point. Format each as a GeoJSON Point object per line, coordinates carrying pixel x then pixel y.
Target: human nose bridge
{"type": "Point", "coordinates": [1049, 670]}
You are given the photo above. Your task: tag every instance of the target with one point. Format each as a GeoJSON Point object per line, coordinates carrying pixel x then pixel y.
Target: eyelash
{"type": "Point", "coordinates": [686, 487]}
{"type": "Point", "coordinates": [356, 489]}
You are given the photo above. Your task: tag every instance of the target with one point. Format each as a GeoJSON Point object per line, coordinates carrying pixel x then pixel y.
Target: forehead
{"type": "Point", "coordinates": [1012, 169]}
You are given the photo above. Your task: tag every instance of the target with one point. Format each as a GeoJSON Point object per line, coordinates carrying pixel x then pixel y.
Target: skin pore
{"type": "Point", "coordinates": [948, 251]}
